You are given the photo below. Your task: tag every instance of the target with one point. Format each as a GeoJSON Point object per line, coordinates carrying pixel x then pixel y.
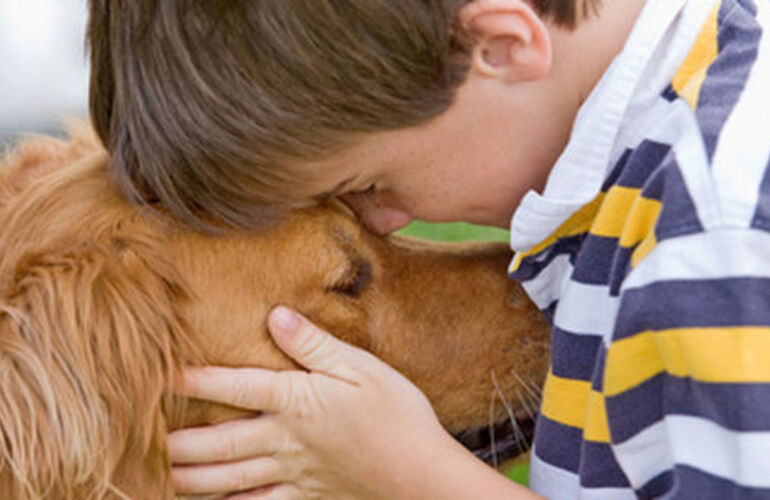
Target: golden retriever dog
{"type": "Point", "coordinates": [102, 303]}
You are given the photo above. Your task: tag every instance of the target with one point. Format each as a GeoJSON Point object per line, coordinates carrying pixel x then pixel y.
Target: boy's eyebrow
{"type": "Point", "coordinates": [334, 191]}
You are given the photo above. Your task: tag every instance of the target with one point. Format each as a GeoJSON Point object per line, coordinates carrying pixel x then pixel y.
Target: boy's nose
{"type": "Point", "coordinates": [379, 219]}
{"type": "Point", "coordinates": [385, 221]}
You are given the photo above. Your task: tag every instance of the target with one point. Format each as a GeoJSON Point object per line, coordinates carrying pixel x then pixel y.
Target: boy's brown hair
{"type": "Point", "coordinates": [207, 105]}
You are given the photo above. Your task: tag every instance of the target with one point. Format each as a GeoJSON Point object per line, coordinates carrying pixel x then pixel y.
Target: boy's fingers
{"type": "Point", "coordinates": [226, 442]}
{"type": "Point", "coordinates": [227, 477]}
{"type": "Point", "coordinates": [273, 492]}
{"type": "Point", "coordinates": [310, 346]}
{"type": "Point", "coordinates": [249, 388]}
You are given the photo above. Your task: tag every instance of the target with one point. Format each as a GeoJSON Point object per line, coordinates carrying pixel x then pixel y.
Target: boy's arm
{"type": "Point", "coordinates": [687, 374]}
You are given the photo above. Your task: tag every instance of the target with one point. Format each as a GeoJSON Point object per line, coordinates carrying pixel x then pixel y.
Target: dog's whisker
{"type": "Point", "coordinates": [531, 411]}
{"type": "Point", "coordinates": [492, 428]}
{"type": "Point", "coordinates": [525, 403]}
{"type": "Point", "coordinates": [503, 399]}
{"type": "Point", "coordinates": [537, 389]}
{"type": "Point", "coordinates": [518, 435]}
{"type": "Point", "coordinates": [526, 385]}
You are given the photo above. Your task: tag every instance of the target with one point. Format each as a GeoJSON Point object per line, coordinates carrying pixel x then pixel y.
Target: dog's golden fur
{"type": "Point", "coordinates": [100, 307]}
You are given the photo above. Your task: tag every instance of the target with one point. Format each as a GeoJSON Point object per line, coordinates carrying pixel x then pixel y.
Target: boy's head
{"type": "Point", "coordinates": [235, 111]}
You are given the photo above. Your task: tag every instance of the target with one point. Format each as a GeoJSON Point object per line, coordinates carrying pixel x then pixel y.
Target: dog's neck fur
{"type": "Point", "coordinates": [79, 313]}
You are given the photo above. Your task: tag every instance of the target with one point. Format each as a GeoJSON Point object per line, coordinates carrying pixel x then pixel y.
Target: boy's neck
{"type": "Point", "coordinates": [581, 56]}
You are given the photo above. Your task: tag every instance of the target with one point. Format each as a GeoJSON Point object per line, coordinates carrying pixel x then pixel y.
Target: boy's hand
{"type": "Point", "coordinates": [349, 427]}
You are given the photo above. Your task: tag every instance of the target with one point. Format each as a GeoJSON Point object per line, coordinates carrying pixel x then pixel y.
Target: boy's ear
{"type": "Point", "coordinates": [510, 40]}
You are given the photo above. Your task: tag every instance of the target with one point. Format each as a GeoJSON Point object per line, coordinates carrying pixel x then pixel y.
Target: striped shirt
{"type": "Point", "coordinates": [649, 251]}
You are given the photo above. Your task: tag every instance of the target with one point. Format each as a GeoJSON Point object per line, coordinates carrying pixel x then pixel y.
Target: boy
{"type": "Point", "coordinates": [625, 139]}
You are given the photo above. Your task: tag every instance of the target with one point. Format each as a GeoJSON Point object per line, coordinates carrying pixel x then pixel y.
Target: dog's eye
{"type": "Point", "coordinates": [355, 280]}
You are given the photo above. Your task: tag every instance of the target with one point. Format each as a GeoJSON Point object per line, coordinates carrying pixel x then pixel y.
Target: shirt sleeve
{"type": "Point", "coordinates": [687, 372]}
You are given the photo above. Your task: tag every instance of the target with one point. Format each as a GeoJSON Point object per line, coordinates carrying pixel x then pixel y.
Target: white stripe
{"type": "Point", "coordinates": [648, 109]}
{"type": "Point", "coordinates": [556, 484]}
{"type": "Point", "coordinates": [551, 482]}
{"type": "Point", "coordinates": [546, 287]}
{"type": "Point", "coordinates": [645, 455]}
{"type": "Point", "coordinates": [586, 310]}
{"type": "Point", "coordinates": [743, 147]}
{"type": "Point", "coordinates": [679, 127]}
{"type": "Point", "coordinates": [711, 255]}
{"type": "Point", "coordinates": [536, 218]}
{"type": "Point", "coordinates": [742, 457]}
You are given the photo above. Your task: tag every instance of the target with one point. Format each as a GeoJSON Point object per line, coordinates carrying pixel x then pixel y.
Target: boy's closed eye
{"type": "Point", "coordinates": [366, 192]}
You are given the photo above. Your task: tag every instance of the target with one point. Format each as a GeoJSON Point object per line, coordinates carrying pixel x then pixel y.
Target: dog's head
{"type": "Point", "coordinates": [101, 305]}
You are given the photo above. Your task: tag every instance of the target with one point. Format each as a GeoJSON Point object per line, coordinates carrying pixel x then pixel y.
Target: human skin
{"type": "Point", "coordinates": [323, 433]}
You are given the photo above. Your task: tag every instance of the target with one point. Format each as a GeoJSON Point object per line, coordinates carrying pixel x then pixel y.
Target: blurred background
{"type": "Point", "coordinates": [43, 70]}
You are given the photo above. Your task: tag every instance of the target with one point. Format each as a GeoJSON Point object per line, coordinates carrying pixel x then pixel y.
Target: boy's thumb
{"type": "Point", "coordinates": [307, 344]}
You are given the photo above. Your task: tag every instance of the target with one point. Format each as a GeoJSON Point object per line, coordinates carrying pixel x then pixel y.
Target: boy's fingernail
{"type": "Point", "coordinates": [285, 319]}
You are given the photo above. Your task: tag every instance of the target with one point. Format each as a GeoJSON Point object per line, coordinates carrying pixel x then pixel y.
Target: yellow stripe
{"type": "Point", "coordinates": [572, 402]}
{"type": "Point", "coordinates": [689, 79]}
{"type": "Point", "coordinates": [613, 214]}
{"type": "Point", "coordinates": [565, 400]}
{"type": "Point", "coordinates": [578, 223]}
{"type": "Point", "coordinates": [596, 428]}
{"type": "Point", "coordinates": [631, 218]}
{"type": "Point", "coordinates": [628, 216]}
{"type": "Point", "coordinates": [644, 248]}
{"type": "Point", "coordinates": [641, 221]}
{"type": "Point", "coordinates": [630, 362]}
{"type": "Point", "coordinates": [714, 355]}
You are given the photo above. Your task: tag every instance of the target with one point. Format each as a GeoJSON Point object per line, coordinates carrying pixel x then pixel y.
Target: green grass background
{"type": "Point", "coordinates": [460, 231]}
{"type": "Point", "coordinates": [455, 231]}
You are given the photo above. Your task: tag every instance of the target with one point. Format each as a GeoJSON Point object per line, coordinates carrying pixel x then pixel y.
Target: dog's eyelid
{"type": "Point", "coordinates": [357, 277]}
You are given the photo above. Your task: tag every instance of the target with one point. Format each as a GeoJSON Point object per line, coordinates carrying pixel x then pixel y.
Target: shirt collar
{"type": "Point", "coordinates": [577, 176]}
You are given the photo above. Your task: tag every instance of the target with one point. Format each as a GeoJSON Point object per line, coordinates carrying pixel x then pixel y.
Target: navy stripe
{"type": "Point", "coordinates": [558, 444]}
{"type": "Point", "coordinates": [621, 266]}
{"type": "Point", "coordinates": [599, 468]}
{"type": "Point", "coordinates": [762, 214]}
{"type": "Point", "coordinates": [549, 311]}
{"type": "Point", "coordinates": [655, 186]}
{"type": "Point", "coordinates": [593, 263]}
{"type": "Point", "coordinates": [689, 483]}
{"type": "Point", "coordinates": [657, 486]}
{"type": "Point", "coordinates": [534, 264]}
{"type": "Point", "coordinates": [669, 93]}
{"type": "Point", "coordinates": [737, 39]}
{"type": "Point", "coordinates": [636, 409]}
{"type": "Point", "coordinates": [678, 215]}
{"type": "Point", "coordinates": [597, 379]}
{"type": "Point", "coordinates": [644, 160]}
{"type": "Point", "coordinates": [724, 404]}
{"type": "Point", "coordinates": [573, 356]}
{"type": "Point", "coordinates": [686, 303]}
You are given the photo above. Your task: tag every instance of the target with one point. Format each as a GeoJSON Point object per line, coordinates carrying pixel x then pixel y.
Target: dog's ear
{"type": "Point", "coordinates": [89, 343]}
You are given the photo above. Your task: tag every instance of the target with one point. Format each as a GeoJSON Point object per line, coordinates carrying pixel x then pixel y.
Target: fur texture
{"type": "Point", "coordinates": [100, 307]}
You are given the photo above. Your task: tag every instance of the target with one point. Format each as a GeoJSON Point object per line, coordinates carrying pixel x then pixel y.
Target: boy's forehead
{"type": "Point", "coordinates": [370, 156]}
